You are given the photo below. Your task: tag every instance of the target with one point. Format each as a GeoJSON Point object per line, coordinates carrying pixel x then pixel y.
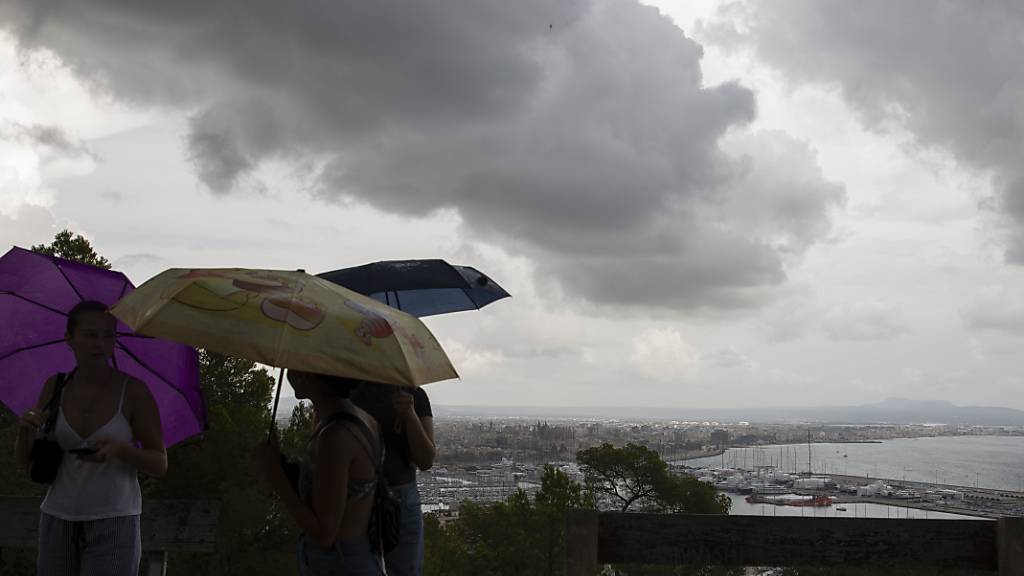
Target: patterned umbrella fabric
{"type": "Point", "coordinates": [287, 319]}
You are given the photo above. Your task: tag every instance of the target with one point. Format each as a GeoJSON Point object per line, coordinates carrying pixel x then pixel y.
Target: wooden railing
{"type": "Point", "coordinates": [597, 538]}
{"type": "Point", "coordinates": [167, 526]}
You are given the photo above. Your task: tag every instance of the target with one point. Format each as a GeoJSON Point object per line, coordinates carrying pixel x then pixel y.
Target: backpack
{"type": "Point", "coordinates": [385, 516]}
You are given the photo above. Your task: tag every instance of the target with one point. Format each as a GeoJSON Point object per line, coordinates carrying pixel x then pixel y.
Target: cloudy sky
{"type": "Point", "coordinates": [707, 204]}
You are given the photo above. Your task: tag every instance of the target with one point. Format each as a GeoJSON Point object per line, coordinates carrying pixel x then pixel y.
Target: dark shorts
{"type": "Point", "coordinates": [109, 546]}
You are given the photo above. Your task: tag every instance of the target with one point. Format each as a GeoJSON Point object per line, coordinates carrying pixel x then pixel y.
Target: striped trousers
{"type": "Point", "coordinates": [108, 547]}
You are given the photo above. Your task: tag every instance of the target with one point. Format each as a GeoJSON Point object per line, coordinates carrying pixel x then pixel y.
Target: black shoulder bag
{"type": "Point", "coordinates": [385, 519]}
{"type": "Point", "coordinates": [46, 453]}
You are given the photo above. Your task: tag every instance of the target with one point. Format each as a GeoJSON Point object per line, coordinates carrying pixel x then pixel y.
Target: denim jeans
{"type": "Point", "coordinates": [407, 558]}
{"type": "Point", "coordinates": [345, 558]}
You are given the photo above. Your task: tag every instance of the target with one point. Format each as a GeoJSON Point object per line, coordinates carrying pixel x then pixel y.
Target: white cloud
{"type": "Point", "coordinates": [729, 358]}
{"type": "Point", "coordinates": [864, 321]}
{"type": "Point", "coordinates": [28, 226]}
{"type": "Point", "coordinates": [662, 354]}
{"type": "Point", "coordinates": [996, 308]}
{"type": "Point", "coordinates": [663, 244]}
{"type": "Point", "coordinates": [471, 362]}
{"type": "Point", "coordinates": [952, 74]}
{"type": "Point", "coordinates": [579, 133]}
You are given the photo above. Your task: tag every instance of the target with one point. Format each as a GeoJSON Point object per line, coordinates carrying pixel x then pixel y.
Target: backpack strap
{"type": "Point", "coordinates": [371, 444]}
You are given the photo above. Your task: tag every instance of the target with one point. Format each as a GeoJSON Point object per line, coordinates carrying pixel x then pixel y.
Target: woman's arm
{"type": "Point", "coordinates": [151, 457]}
{"type": "Point", "coordinates": [330, 484]}
{"type": "Point", "coordinates": [30, 422]}
{"type": "Point", "coordinates": [419, 430]}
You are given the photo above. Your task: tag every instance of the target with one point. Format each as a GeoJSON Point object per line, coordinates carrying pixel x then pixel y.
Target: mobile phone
{"type": "Point", "coordinates": [83, 451]}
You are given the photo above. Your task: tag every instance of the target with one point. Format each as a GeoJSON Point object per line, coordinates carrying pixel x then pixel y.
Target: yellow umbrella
{"type": "Point", "coordinates": [289, 320]}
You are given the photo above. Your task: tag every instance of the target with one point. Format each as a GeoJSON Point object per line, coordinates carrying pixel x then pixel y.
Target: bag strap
{"type": "Point", "coordinates": [376, 454]}
{"type": "Point", "coordinates": [53, 405]}
{"type": "Point", "coordinates": [372, 447]}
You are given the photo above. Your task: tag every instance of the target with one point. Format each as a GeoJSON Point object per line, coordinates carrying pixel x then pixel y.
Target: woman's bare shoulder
{"type": "Point", "coordinates": [136, 392]}
{"type": "Point", "coordinates": [47, 392]}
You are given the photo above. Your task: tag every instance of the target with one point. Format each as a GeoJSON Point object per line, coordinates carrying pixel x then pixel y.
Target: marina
{"type": "Point", "coordinates": [781, 477]}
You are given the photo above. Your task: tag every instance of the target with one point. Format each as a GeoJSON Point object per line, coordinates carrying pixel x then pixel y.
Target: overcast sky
{"type": "Point", "coordinates": [707, 204]}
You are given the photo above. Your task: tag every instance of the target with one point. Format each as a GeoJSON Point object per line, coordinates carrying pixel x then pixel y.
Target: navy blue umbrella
{"type": "Point", "coordinates": [420, 287]}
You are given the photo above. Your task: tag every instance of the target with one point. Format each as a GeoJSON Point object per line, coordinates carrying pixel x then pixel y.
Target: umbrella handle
{"type": "Point", "coordinates": [277, 398]}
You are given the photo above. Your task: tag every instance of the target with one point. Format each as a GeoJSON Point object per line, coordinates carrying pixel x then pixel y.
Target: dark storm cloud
{"type": "Point", "coordinates": [578, 132]}
{"type": "Point", "coordinates": [950, 72]}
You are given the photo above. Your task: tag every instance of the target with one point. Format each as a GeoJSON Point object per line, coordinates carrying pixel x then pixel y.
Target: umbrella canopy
{"type": "Point", "coordinates": [420, 287]}
{"type": "Point", "coordinates": [36, 293]}
{"type": "Point", "coordinates": [287, 319]}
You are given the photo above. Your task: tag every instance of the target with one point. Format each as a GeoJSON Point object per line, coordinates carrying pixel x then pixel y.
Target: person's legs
{"type": "Point", "coordinates": [58, 549]}
{"type": "Point", "coordinates": [407, 558]}
{"type": "Point", "coordinates": [359, 558]}
{"type": "Point", "coordinates": [111, 547]}
{"type": "Point", "coordinates": [345, 558]}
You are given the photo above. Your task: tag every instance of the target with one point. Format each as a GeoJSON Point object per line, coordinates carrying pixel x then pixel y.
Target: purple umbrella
{"type": "Point", "coordinates": [36, 293]}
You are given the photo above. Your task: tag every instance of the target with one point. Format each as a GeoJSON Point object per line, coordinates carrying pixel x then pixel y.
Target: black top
{"type": "Point", "coordinates": [376, 399]}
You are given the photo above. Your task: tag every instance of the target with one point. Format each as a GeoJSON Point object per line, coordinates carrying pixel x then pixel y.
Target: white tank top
{"type": "Point", "coordinates": [90, 490]}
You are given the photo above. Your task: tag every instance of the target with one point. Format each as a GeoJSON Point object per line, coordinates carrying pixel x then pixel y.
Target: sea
{"type": "Point", "coordinates": [741, 507]}
{"type": "Point", "coordinates": [975, 461]}
{"type": "Point", "coordinates": [978, 461]}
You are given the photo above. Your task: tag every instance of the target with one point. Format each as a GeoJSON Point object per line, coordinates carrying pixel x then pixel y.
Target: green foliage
{"type": "Point", "coordinates": [636, 475]}
{"type": "Point", "coordinates": [72, 247]}
{"type": "Point", "coordinates": [522, 535]}
{"type": "Point", "coordinates": [295, 436]}
{"type": "Point", "coordinates": [443, 552]}
{"type": "Point", "coordinates": [526, 535]}
{"type": "Point", "coordinates": [687, 494]}
{"type": "Point", "coordinates": [14, 481]}
{"type": "Point", "coordinates": [237, 394]}
{"type": "Point", "coordinates": [625, 475]}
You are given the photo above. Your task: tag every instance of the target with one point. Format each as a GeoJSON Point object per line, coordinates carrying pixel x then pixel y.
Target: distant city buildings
{"type": "Point", "coordinates": [486, 460]}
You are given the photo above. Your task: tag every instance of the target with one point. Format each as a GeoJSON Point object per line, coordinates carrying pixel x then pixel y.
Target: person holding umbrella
{"type": "Point", "coordinates": [336, 481]}
{"type": "Point", "coordinates": [108, 425]}
{"type": "Point", "coordinates": [293, 320]}
{"type": "Point", "coordinates": [420, 288]}
{"type": "Point", "coordinates": [407, 426]}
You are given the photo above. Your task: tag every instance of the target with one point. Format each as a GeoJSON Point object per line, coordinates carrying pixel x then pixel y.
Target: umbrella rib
{"type": "Point", "coordinates": [31, 301]}
{"type": "Point", "coordinates": [124, 287]}
{"type": "Point", "coordinates": [140, 362]}
{"type": "Point", "coordinates": [68, 280]}
{"type": "Point", "coordinates": [32, 347]}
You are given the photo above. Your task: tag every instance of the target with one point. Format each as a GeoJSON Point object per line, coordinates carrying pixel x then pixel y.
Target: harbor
{"type": "Point", "coordinates": [769, 486]}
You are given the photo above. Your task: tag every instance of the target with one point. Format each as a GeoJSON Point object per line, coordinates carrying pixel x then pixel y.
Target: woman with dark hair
{"type": "Point", "coordinates": [108, 426]}
{"type": "Point", "coordinates": [407, 426]}
{"type": "Point", "coordinates": [337, 481]}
